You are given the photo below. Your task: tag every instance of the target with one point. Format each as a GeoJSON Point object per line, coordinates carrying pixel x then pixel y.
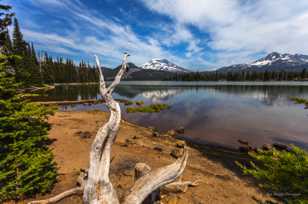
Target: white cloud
{"type": "Point", "coordinates": [119, 38]}
{"type": "Point", "coordinates": [241, 28]}
{"type": "Point", "coordinates": [238, 29]}
{"type": "Point", "coordinates": [48, 38]}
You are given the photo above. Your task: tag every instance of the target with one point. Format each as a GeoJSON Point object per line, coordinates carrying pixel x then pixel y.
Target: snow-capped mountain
{"type": "Point", "coordinates": [273, 62]}
{"type": "Point", "coordinates": [277, 58]}
{"type": "Point", "coordinates": [163, 65]}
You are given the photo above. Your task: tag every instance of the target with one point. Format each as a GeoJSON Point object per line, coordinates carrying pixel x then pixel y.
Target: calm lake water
{"type": "Point", "coordinates": [211, 113]}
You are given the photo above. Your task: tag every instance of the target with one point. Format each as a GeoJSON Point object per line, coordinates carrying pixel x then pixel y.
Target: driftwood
{"type": "Point", "coordinates": [96, 186]}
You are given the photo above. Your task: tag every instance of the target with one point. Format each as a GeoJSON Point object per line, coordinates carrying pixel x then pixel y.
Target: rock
{"type": "Point", "coordinates": [243, 142]}
{"type": "Point", "coordinates": [135, 137]}
{"type": "Point", "coordinates": [280, 146]}
{"type": "Point", "coordinates": [152, 128]}
{"type": "Point", "coordinates": [141, 169]}
{"type": "Point", "coordinates": [180, 144]}
{"type": "Point", "coordinates": [267, 147]}
{"type": "Point", "coordinates": [128, 142]}
{"type": "Point", "coordinates": [171, 133]}
{"type": "Point", "coordinates": [245, 149]}
{"type": "Point", "coordinates": [158, 148]}
{"type": "Point", "coordinates": [177, 153]}
{"type": "Point", "coordinates": [180, 130]}
{"type": "Point", "coordinates": [155, 134]}
{"type": "Point", "coordinates": [83, 134]}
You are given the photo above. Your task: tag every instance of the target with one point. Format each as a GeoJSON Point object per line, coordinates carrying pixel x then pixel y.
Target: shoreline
{"type": "Point", "coordinates": [198, 83]}
{"type": "Point", "coordinates": [72, 134]}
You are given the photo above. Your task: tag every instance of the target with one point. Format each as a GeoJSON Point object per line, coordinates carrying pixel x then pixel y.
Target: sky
{"type": "Point", "coordinates": [195, 34]}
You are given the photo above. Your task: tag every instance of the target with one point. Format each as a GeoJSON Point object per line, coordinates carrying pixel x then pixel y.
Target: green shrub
{"type": "Point", "coordinates": [153, 108]}
{"type": "Point", "coordinates": [281, 172]}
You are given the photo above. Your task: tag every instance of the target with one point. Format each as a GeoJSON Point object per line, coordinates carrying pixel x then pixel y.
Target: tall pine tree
{"type": "Point", "coordinates": [26, 165]}
{"type": "Point", "coordinates": [27, 69]}
{"type": "Point", "coordinates": [19, 45]}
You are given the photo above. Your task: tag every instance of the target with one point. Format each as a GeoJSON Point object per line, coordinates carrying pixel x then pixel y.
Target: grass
{"type": "Point", "coordinates": [139, 103]}
{"type": "Point", "coordinates": [153, 108]}
{"type": "Point", "coordinates": [128, 102]}
{"type": "Point", "coordinates": [298, 100]}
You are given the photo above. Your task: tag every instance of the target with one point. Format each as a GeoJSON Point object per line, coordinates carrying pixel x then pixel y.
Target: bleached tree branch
{"type": "Point", "coordinates": [97, 188]}
{"type": "Point", "coordinates": [57, 198]}
{"type": "Point", "coordinates": [155, 179]}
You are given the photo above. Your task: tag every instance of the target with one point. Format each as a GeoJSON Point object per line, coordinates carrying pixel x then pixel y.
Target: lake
{"type": "Point", "coordinates": [217, 113]}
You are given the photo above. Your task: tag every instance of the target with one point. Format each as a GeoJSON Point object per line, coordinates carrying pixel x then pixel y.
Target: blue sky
{"type": "Point", "coordinates": [195, 34]}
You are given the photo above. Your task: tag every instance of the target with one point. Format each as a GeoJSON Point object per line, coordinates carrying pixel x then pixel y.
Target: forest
{"type": "Point", "coordinates": [44, 69]}
{"type": "Point", "coordinates": [242, 76]}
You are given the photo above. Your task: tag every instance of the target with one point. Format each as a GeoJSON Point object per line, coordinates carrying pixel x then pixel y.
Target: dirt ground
{"type": "Point", "coordinates": [73, 133]}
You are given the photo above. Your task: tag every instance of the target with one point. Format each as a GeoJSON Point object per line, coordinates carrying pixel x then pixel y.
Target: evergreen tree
{"type": "Point", "coordinates": [6, 42]}
{"type": "Point", "coordinates": [5, 17]}
{"type": "Point", "coordinates": [27, 70]}
{"type": "Point", "coordinates": [19, 45]}
{"type": "Point", "coordinates": [303, 74]}
{"type": "Point", "coordinates": [26, 165]}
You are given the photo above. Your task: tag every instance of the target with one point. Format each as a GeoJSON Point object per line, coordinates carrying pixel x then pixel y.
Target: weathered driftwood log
{"type": "Point", "coordinates": [97, 188]}
{"type": "Point", "coordinates": [142, 169]}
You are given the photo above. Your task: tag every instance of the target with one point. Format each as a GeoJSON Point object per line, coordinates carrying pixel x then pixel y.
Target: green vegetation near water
{"type": "Point", "coordinates": [282, 173]}
{"type": "Point", "coordinates": [129, 103]}
{"type": "Point", "coordinates": [300, 101]}
{"type": "Point", "coordinates": [153, 108]}
{"type": "Point", "coordinates": [139, 103]}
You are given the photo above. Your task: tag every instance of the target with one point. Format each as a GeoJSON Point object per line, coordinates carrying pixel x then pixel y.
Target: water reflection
{"type": "Point", "coordinates": [219, 114]}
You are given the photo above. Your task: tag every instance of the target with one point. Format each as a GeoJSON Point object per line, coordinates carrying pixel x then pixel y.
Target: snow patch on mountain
{"type": "Point", "coordinates": [261, 63]}
{"type": "Point", "coordinates": [275, 58]}
{"type": "Point", "coordinates": [163, 65]}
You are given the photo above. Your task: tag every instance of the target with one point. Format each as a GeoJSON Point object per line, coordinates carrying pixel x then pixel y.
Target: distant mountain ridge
{"type": "Point", "coordinates": [272, 62]}
{"type": "Point", "coordinates": [137, 73]}
{"type": "Point", "coordinates": [163, 65]}
{"type": "Point", "coordinates": [162, 69]}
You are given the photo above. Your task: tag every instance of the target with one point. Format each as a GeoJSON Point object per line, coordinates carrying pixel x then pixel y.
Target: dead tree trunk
{"type": "Point", "coordinates": [97, 188]}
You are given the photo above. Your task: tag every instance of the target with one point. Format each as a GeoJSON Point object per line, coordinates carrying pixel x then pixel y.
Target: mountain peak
{"type": "Point", "coordinates": [278, 58]}
{"type": "Point", "coordinates": [163, 65]}
{"type": "Point", "coordinates": [274, 61]}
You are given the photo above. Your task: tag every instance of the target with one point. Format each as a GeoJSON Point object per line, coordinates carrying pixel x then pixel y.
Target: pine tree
{"type": "Point", "coordinates": [19, 45]}
{"type": "Point", "coordinates": [5, 40]}
{"type": "Point", "coordinates": [303, 74]}
{"type": "Point", "coordinates": [26, 165]}
{"type": "Point", "coordinates": [27, 69]}
{"type": "Point", "coordinates": [5, 17]}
